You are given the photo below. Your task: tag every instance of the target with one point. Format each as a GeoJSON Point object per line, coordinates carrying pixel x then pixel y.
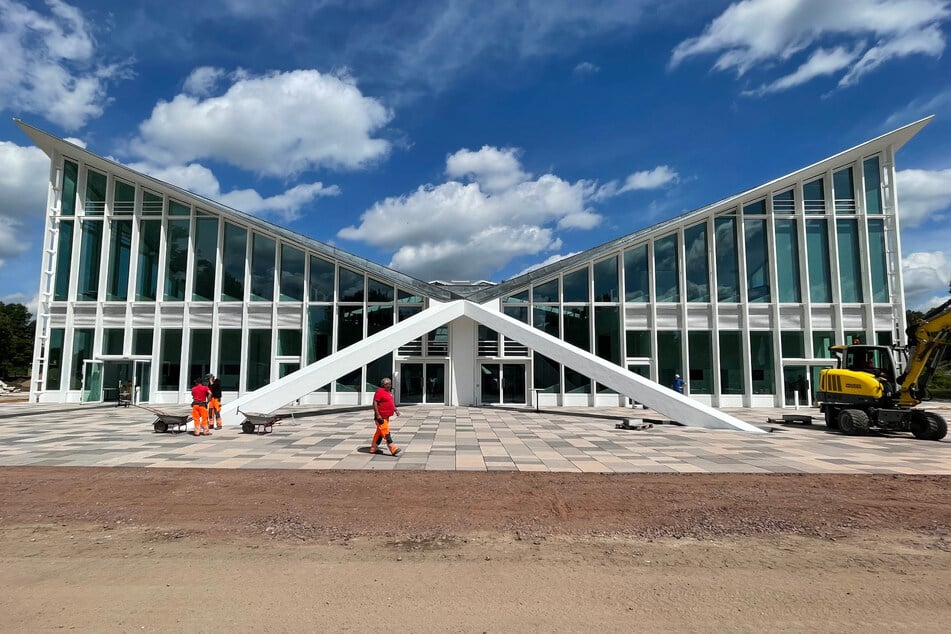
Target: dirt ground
{"type": "Point", "coordinates": [212, 550]}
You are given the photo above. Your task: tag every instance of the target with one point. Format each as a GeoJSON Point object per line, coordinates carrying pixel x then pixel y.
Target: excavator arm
{"type": "Point", "coordinates": [928, 341]}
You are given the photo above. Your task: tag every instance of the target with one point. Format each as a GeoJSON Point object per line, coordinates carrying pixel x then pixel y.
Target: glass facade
{"type": "Point", "coordinates": [850, 267]}
{"type": "Point", "coordinates": [229, 359]}
{"type": "Point", "coordinates": [636, 275]}
{"type": "Point", "coordinates": [64, 254]}
{"type": "Point", "coordinates": [262, 268]}
{"type": "Point", "coordinates": [150, 236]}
{"type": "Point", "coordinates": [120, 252]}
{"type": "Point", "coordinates": [695, 266]}
{"type": "Point", "coordinates": [171, 359]}
{"type": "Point", "coordinates": [700, 374]}
{"type": "Point", "coordinates": [606, 280]}
{"type": "Point", "coordinates": [89, 252]}
{"type": "Point", "coordinates": [83, 339]}
{"type": "Point", "coordinates": [206, 249]}
{"type": "Point", "coordinates": [666, 269]}
{"type": "Point", "coordinates": [669, 360]}
{"type": "Point", "coordinates": [233, 256]}
{"type": "Point", "coordinates": [844, 188]}
{"type": "Point", "coordinates": [575, 286]}
{"type": "Point", "coordinates": [873, 185]}
{"type": "Point", "coordinates": [70, 178]}
{"type": "Point", "coordinates": [176, 259]}
{"type": "Point", "coordinates": [95, 201]}
{"type": "Point", "coordinates": [814, 196]}
{"type": "Point", "coordinates": [292, 274]}
{"type": "Point", "coordinates": [757, 261]}
{"type": "Point", "coordinates": [787, 261]}
{"type": "Point", "coordinates": [817, 250]}
{"type": "Point", "coordinates": [731, 363]}
{"type": "Point", "coordinates": [761, 363]}
{"type": "Point", "coordinates": [321, 280]}
{"type": "Point", "coordinates": [877, 253]}
{"type": "Point", "coordinates": [728, 272]}
{"type": "Point", "coordinates": [259, 358]}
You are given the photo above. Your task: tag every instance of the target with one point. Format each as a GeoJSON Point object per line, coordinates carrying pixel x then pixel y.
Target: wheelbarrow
{"type": "Point", "coordinates": [165, 421]}
{"type": "Point", "coordinates": [263, 422]}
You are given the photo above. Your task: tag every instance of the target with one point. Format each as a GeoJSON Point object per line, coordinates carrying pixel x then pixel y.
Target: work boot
{"type": "Point", "coordinates": [373, 449]}
{"type": "Point", "coordinates": [394, 450]}
{"type": "Point", "coordinates": [218, 426]}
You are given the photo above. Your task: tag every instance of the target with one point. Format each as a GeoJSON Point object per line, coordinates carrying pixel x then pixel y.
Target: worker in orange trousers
{"type": "Point", "coordinates": [200, 393]}
{"type": "Point", "coordinates": [383, 408]}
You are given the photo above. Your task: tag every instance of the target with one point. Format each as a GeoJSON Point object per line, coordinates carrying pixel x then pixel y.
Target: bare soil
{"type": "Point", "coordinates": [212, 550]}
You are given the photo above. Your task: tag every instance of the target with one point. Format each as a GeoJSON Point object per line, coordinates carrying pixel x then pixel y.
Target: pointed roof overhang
{"type": "Point", "coordinates": [51, 144]}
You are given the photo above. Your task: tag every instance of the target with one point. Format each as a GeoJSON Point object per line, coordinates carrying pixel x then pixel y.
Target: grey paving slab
{"type": "Point", "coordinates": [481, 439]}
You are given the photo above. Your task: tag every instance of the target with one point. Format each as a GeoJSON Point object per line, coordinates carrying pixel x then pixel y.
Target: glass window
{"type": "Point", "coordinates": [575, 286]}
{"type": "Point", "coordinates": [700, 376]}
{"type": "Point", "coordinates": [229, 359]}
{"type": "Point", "coordinates": [405, 297]}
{"type": "Point", "coordinates": [321, 280]}
{"type": "Point", "coordinates": [89, 254]}
{"type": "Point", "coordinates": [876, 260]}
{"type": "Point", "coordinates": [262, 268]}
{"type": "Point", "coordinates": [82, 351]}
{"type": "Point", "coordinates": [120, 251]}
{"type": "Point", "coordinates": [546, 293]}
{"type": "Point", "coordinates": [757, 260]}
{"type": "Point", "coordinates": [176, 208]}
{"type": "Point", "coordinates": [54, 367]}
{"type": "Point", "coordinates": [757, 208]}
{"type": "Point", "coordinates": [873, 185]}
{"type": "Point", "coordinates": [95, 204]}
{"type": "Point", "coordinates": [606, 280]}
{"type": "Point", "coordinates": [234, 253]}
{"type": "Point", "coordinates": [516, 298]}
{"type": "Point", "coordinates": [793, 344]}
{"type": "Point", "coordinates": [546, 374]}
{"type": "Point", "coordinates": [378, 370]}
{"type": "Point", "coordinates": [292, 274]}
{"type": "Point", "coordinates": [821, 342]}
{"type": "Point", "coordinates": [437, 341]}
{"type": "Point", "coordinates": [545, 318]}
{"type": "Point", "coordinates": [142, 341]}
{"type": "Point", "coordinates": [850, 267]}
{"type": "Point", "coordinates": [728, 273]}
{"type": "Point", "coordinates": [176, 259]}
{"type": "Point", "coordinates": [817, 249]}
{"type": "Point", "coordinates": [666, 270]}
{"type": "Point", "coordinates": [70, 177]}
{"type": "Point", "coordinates": [787, 261]}
{"type": "Point", "coordinates": [259, 357]}
{"type": "Point", "coordinates": [350, 286]}
{"type": "Point", "coordinates": [669, 361]}
{"type": "Point", "coordinates": [607, 333]}
{"type": "Point", "coordinates": [576, 327]}
{"type": "Point", "coordinates": [200, 364]}
{"type": "Point", "coordinates": [170, 368]}
{"type": "Point", "coordinates": [638, 343]}
{"type": "Point", "coordinates": [123, 198]}
{"type": "Point", "coordinates": [112, 340]}
{"type": "Point", "coordinates": [146, 285]}
{"type": "Point", "coordinates": [64, 257]}
{"type": "Point", "coordinates": [206, 250]}
{"type": "Point", "coordinates": [731, 362]}
{"type": "Point", "coordinates": [378, 291]}
{"type": "Point", "coordinates": [761, 362]}
{"type": "Point", "coordinates": [576, 383]}
{"type": "Point", "coordinates": [785, 202]}
{"type": "Point", "coordinates": [288, 343]}
{"type": "Point", "coordinates": [696, 267]}
{"type": "Point", "coordinates": [349, 325]}
{"type": "Point", "coordinates": [517, 312]}
{"type": "Point", "coordinates": [379, 318]}
{"type": "Point", "coordinates": [320, 342]}
{"type": "Point", "coordinates": [350, 382]}
{"type": "Point", "coordinates": [883, 338]}
{"type": "Point", "coordinates": [152, 204]}
{"type": "Point", "coordinates": [814, 196]}
{"type": "Point", "coordinates": [488, 342]}
{"type": "Point", "coordinates": [636, 275]}
{"type": "Point", "coordinates": [844, 190]}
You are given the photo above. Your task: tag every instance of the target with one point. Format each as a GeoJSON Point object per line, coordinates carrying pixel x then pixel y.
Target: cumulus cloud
{"type": "Point", "coordinates": [754, 34]}
{"type": "Point", "coordinates": [923, 195]}
{"type": "Point", "coordinates": [470, 230]}
{"type": "Point", "coordinates": [30, 301]}
{"type": "Point", "coordinates": [926, 278]}
{"type": "Point", "coordinates": [24, 179]}
{"type": "Point", "coordinates": [50, 64]}
{"type": "Point", "coordinates": [277, 124]}
{"type": "Point", "coordinates": [660, 176]}
{"type": "Point", "coordinates": [200, 180]}
{"type": "Point", "coordinates": [203, 81]}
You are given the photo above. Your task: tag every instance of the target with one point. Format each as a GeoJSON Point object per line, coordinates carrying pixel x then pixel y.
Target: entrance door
{"type": "Point", "coordinates": [92, 382]}
{"type": "Point", "coordinates": [796, 385]}
{"type": "Point", "coordinates": [143, 370]}
{"type": "Point", "coordinates": [423, 383]}
{"type": "Point", "coordinates": [503, 383]}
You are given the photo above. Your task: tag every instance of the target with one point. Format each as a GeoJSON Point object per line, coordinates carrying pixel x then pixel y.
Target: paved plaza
{"type": "Point", "coordinates": [461, 439]}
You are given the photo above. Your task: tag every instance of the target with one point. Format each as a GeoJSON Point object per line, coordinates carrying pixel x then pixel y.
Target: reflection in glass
{"type": "Point", "coordinates": [176, 259]}
{"type": "Point", "coordinates": [873, 185]}
{"type": "Point", "coordinates": [545, 318]}
{"type": "Point", "coordinates": [379, 318]}
{"type": "Point", "coordinates": [844, 189]}
{"type": "Point", "coordinates": [146, 285]}
{"type": "Point", "coordinates": [700, 375]}
{"type": "Point", "coordinates": [814, 196]}
{"type": "Point", "coordinates": [576, 327]}
{"type": "Point", "coordinates": [817, 250]}
{"type": "Point", "coordinates": [669, 361]}
{"type": "Point", "coordinates": [757, 261]}
{"type": "Point", "coordinates": [89, 261]}
{"type": "Point", "coordinates": [349, 325]}
{"type": "Point", "coordinates": [229, 359]}
{"type": "Point", "coordinates": [206, 250]}
{"type": "Point", "coordinates": [120, 250]}
{"type": "Point", "coordinates": [761, 362]}
{"type": "Point", "coordinates": [321, 280]}
{"type": "Point", "coordinates": [232, 259]}
{"type": "Point", "coordinates": [68, 199]}
{"type": "Point", "coordinates": [546, 293]}
{"type": "Point", "coordinates": [696, 268]}
{"type": "Point", "coordinates": [606, 280]}
{"type": "Point", "coordinates": [575, 286]}
{"type": "Point", "coordinates": [546, 373]}
{"type": "Point", "coordinates": [351, 286]}
{"type": "Point", "coordinates": [199, 364]}
{"type": "Point", "coordinates": [95, 203]}
{"type": "Point", "coordinates": [787, 261]}
{"type": "Point", "coordinates": [292, 274]}
{"type": "Point", "coordinates": [82, 351]}
{"type": "Point", "coordinates": [876, 260]}
{"type": "Point", "coordinates": [64, 256]}
{"type": "Point", "coordinates": [636, 275]}
{"type": "Point", "coordinates": [259, 358]}
{"type": "Point", "coordinates": [785, 202]}
{"type": "Point", "coordinates": [54, 362]}
{"type": "Point", "coordinates": [378, 291]}
{"type": "Point", "coordinates": [638, 343]}
{"type": "Point", "coordinates": [123, 198]}
{"type": "Point", "coordinates": [728, 274]}
{"type": "Point", "coordinates": [850, 268]}
{"type": "Point", "coordinates": [288, 343]}
{"type": "Point", "coordinates": [263, 250]}
{"type": "Point", "coordinates": [730, 362]}
{"type": "Point", "coordinates": [607, 333]}
{"type": "Point", "coordinates": [576, 383]}
{"type": "Point", "coordinates": [170, 367]}
{"type": "Point", "coordinates": [666, 270]}
{"type": "Point", "coordinates": [320, 341]}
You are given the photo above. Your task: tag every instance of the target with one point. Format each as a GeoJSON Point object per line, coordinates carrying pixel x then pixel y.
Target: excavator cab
{"type": "Point", "coordinates": [875, 360]}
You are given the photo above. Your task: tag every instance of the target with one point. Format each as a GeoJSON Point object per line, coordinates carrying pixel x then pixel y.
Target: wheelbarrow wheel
{"type": "Point", "coordinates": [247, 427]}
{"type": "Point", "coordinates": [160, 426]}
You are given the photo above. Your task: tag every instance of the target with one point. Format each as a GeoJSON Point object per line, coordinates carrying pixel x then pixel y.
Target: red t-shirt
{"type": "Point", "coordinates": [200, 393]}
{"type": "Point", "coordinates": [384, 402]}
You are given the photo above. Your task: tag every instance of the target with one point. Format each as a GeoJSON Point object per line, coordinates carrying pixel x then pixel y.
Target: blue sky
{"type": "Point", "coordinates": [475, 139]}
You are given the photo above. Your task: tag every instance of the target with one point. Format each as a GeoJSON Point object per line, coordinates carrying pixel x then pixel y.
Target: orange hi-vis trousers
{"type": "Point", "coordinates": [214, 411]}
{"type": "Point", "coordinates": [382, 433]}
{"type": "Point", "coordinates": [200, 416]}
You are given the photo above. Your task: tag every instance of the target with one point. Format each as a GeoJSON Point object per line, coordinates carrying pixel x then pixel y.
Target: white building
{"type": "Point", "coordinates": [146, 283]}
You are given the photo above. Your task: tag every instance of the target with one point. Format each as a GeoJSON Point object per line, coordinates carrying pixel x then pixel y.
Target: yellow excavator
{"type": "Point", "coordinates": [864, 392]}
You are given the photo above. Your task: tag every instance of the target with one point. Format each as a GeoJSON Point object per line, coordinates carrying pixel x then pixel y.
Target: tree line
{"type": "Point", "coordinates": [17, 328]}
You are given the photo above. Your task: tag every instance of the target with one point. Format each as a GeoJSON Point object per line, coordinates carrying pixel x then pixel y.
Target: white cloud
{"type": "Point", "coordinates": [586, 68]}
{"type": "Point", "coordinates": [203, 81]}
{"type": "Point", "coordinates": [201, 180]}
{"type": "Point", "coordinates": [923, 195]}
{"type": "Point", "coordinates": [50, 64]}
{"type": "Point", "coordinates": [24, 179]}
{"type": "Point", "coordinates": [660, 176]}
{"type": "Point", "coordinates": [278, 124]}
{"type": "Point", "coordinates": [926, 276]}
{"type": "Point", "coordinates": [458, 230]}
{"type": "Point", "coordinates": [766, 33]}
{"type": "Point", "coordinates": [31, 302]}
{"type": "Point", "coordinates": [821, 62]}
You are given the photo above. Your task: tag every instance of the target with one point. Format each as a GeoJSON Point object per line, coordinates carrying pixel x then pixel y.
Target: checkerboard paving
{"type": "Point", "coordinates": [460, 439]}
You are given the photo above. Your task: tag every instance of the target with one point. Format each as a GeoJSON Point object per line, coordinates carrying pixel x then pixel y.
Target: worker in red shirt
{"type": "Point", "coordinates": [200, 393]}
{"type": "Point", "coordinates": [383, 408]}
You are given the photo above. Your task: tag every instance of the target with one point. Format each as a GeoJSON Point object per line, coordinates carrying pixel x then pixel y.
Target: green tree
{"type": "Point", "coordinates": [16, 340]}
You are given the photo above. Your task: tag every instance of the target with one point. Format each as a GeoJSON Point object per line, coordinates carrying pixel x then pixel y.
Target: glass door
{"type": "Point", "coordinates": [796, 385]}
{"type": "Point", "coordinates": [422, 383]}
{"type": "Point", "coordinates": [502, 383]}
{"type": "Point", "coordinates": [92, 382]}
{"type": "Point", "coordinates": [143, 370]}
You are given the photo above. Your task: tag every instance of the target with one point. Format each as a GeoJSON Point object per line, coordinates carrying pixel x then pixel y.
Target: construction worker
{"type": "Point", "coordinates": [383, 408]}
{"type": "Point", "coordinates": [200, 394]}
{"type": "Point", "coordinates": [214, 403]}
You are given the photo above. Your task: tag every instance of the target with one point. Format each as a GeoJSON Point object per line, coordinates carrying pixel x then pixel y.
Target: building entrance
{"type": "Point", "coordinates": [422, 383]}
{"type": "Point", "coordinates": [503, 383]}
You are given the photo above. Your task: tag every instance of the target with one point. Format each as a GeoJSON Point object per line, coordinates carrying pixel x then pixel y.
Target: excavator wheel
{"type": "Point", "coordinates": [928, 426]}
{"type": "Point", "coordinates": [853, 422]}
{"type": "Point", "coordinates": [832, 418]}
